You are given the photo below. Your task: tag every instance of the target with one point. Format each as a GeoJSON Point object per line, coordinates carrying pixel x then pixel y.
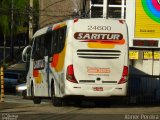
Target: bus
{"type": "Point", "coordinates": [78, 58]}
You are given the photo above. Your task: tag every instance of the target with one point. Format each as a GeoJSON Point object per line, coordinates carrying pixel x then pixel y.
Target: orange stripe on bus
{"type": "Point", "coordinates": [105, 44]}
{"type": "Point", "coordinates": [55, 60]}
{"type": "Point", "coordinates": [59, 26]}
{"type": "Point", "coordinates": [56, 27]}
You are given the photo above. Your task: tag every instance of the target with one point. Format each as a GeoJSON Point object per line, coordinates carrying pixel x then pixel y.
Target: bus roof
{"type": "Point", "coordinates": [61, 24]}
{"type": "Point", "coordinates": [47, 29]}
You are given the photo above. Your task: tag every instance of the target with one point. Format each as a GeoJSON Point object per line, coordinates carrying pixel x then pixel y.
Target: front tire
{"type": "Point", "coordinates": [36, 100]}
{"type": "Point", "coordinates": [56, 101]}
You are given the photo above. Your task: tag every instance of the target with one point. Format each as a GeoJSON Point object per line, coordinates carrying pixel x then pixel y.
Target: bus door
{"type": "Point", "coordinates": [40, 66]}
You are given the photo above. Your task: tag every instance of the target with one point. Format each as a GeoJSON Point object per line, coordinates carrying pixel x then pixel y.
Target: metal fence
{"type": "Point", "coordinates": [144, 89]}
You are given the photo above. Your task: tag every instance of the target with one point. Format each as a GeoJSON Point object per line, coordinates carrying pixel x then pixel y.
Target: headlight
{"type": "Point", "coordinates": [21, 88]}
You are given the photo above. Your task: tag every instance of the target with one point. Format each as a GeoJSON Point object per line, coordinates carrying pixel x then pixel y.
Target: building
{"type": "Point", "coordinates": [53, 11]}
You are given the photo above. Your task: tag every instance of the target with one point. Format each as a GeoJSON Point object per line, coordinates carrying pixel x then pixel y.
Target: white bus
{"type": "Point", "coordinates": [79, 57]}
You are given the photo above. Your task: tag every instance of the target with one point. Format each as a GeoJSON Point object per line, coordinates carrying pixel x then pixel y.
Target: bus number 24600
{"type": "Point", "coordinates": [99, 27]}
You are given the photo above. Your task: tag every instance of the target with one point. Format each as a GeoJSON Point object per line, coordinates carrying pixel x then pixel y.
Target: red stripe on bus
{"type": "Point", "coordinates": [55, 60]}
{"type": "Point", "coordinates": [35, 73]}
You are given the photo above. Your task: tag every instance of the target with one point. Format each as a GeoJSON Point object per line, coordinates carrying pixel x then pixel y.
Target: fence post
{"type": "Point", "coordinates": [2, 83]}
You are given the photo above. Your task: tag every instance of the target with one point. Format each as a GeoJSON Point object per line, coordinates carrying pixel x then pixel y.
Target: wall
{"type": "Point", "coordinates": [53, 11]}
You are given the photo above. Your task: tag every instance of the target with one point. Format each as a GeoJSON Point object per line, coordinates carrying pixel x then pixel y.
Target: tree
{"type": "Point", "coordinates": [19, 11]}
{"type": "Point", "coordinates": [4, 25]}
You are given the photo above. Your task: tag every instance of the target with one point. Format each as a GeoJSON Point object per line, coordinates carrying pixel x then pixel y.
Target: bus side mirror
{"type": "Point", "coordinates": [26, 53]}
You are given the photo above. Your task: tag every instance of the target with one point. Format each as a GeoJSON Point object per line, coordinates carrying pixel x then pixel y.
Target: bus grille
{"type": "Point", "coordinates": [98, 54]}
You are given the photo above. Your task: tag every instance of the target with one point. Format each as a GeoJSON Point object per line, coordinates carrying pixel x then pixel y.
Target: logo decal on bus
{"type": "Point", "coordinates": [92, 37]}
{"type": "Point", "coordinates": [105, 38]}
{"type": "Point", "coordinates": [98, 70]}
{"type": "Point", "coordinates": [100, 40]}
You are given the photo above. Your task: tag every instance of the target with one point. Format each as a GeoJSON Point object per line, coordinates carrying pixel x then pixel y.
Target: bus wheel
{"type": "Point", "coordinates": [56, 101]}
{"type": "Point", "coordinates": [36, 100]}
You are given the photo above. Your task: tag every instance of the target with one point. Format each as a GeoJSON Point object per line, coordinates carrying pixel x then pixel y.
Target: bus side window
{"type": "Point", "coordinates": [47, 44]}
{"type": "Point", "coordinates": [58, 40]}
{"type": "Point", "coordinates": [34, 49]}
{"type": "Point", "coordinates": [61, 39]}
{"type": "Point", "coordinates": [54, 42]}
{"type": "Point", "coordinates": [42, 48]}
{"type": "Point", "coordinates": [38, 49]}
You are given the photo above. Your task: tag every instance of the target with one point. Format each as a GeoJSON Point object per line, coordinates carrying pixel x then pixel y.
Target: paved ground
{"type": "Point", "coordinates": [16, 108]}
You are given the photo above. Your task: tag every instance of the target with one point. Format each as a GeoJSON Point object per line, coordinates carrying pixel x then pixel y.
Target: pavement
{"type": "Point", "coordinates": [16, 108]}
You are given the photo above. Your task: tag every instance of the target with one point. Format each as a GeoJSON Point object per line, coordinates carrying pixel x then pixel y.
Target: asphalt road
{"type": "Point", "coordinates": [16, 108]}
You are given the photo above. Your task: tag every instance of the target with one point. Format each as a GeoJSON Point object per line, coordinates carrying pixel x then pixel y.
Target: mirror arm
{"type": "Point", "coordinates": [24, 53]}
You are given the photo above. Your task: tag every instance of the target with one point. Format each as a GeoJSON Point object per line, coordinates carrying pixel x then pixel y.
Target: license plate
{"type": "Point", "coordinates": [97, 88]}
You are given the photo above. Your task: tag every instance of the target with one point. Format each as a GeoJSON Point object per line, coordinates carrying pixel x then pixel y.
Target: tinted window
{"type": "Point", "coordinates": [47, 43]}
{"type": "Point", "coordinates": [114, 2]}
{"type": "Point", "coordinates": [97, 12]}
{"type": "Point", "coordinates": [58, 40]}
{"type": "Point", "coordinates": [97, 1]}
{"type": "Point", "coordinates": [61, 39]}
{"type": "Point", "coordinates": [114, 12]}
{"type": "Point", "coordinates": [39, 48]}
